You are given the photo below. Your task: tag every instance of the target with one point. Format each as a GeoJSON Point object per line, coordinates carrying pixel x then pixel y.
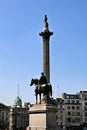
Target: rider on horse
{"type": "Point", "coordinates": [42, 87]}
{"type": "Point", "coordinates": [43, 79]}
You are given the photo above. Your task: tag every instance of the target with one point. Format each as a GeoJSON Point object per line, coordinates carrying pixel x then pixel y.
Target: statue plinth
{"type": "Point", "coordinates": [42, 117]}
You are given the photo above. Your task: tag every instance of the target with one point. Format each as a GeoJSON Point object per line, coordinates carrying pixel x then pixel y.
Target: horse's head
{"type": "Point", "coordinates": [34, 81]}
{"type": "Point", "coordinates": [31, 82]}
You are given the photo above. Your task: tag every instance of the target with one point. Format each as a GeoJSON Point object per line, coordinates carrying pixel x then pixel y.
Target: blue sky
{"type": "Point", "coordinates": [21, 46]}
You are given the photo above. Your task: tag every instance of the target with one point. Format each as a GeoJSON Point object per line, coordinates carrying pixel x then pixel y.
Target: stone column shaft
{"type": "Point", "coordinates": [46, 58]}
{"type": "Point", "coordinates": [46, 54]}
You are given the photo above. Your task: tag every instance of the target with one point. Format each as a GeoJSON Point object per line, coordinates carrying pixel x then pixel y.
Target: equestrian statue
{"type": "Point", "coordinates": [42, 87]}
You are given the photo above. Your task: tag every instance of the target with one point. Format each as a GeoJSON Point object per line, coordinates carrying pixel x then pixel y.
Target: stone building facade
{"type": "Point", "coordinates": [4, 116]}
{"type": "Point", "coordinates": [83, 97]}
{"type": "Point", "coordinates": [72, 109]}
{"type": "Point", "coordinates": [19, 115]}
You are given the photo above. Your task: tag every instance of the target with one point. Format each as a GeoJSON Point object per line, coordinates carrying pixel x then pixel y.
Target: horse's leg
{"type": "Point", "coordinates": [36, 98]}
{"type": "Point", "coordinates": [40, 97]}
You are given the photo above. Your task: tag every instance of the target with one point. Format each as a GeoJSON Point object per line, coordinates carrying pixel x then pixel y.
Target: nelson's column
{"type": "Point", "coordinates": [42, 116]}
{"type": "Point", "coordinates": [46, 50]}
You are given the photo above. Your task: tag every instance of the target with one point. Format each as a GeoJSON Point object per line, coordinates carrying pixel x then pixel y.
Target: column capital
{"type": "Point", "coordinates": [46, 35]}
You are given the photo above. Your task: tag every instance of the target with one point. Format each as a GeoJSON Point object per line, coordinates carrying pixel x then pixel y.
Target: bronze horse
{"type": "Point", "coordinates": [45, 89]}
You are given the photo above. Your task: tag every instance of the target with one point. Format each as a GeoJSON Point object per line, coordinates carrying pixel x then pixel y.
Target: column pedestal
{"type": "Point", "coordinates": [42, 117]}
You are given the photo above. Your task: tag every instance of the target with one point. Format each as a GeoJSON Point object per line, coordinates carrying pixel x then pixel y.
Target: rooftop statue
{"type": "Point", "coordinates": [45, 21]}
{"type": "Point", "coordinates": [46, 28]}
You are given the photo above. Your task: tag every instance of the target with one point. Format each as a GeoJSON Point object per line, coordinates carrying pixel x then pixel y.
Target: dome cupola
{"type": "Point", "coordinates": [18, 102]}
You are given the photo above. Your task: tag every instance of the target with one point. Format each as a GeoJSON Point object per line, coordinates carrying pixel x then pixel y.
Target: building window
{"type": "Point", "coordinates": [2, 113]}
{"type": "Point", "coordinates": [86, 114]}
{"type": "Point", "coordinates": [78, 113]}
{"type": "Point", "coordinates": [85, 108]}
{"type": "Point", "coordinates": [73, 101]}
{"type": "Point", "coordinates": [73, 120]}
{"type": "Point", "coordinates": [77, 101]}
{"type": "Point", "coordinates": [85, 103]}
{"type": "Point", "coordinates": [68, 107]}
{"type": "Point", "coordinates": [68, 101]}
{"type": "Point", "coordinates": [67, 96]}
{"type": "Point", "coordinates": [73, 113]}
{"type": "Point", "coordinates": [77, 120]}
{"type": "Point", "coordinates": [73, 107]}
{"type": "Point", "coordinates": [6, 119]}
{"type": "Point", "coordinates": [2, 118]}
{"type": "Point", "coordinates": [86, 120]}
{"type": "Point", "coordinates": [69, 120]}
{"type": "Point", "coordinates": [85, 98]}
{"type": "Point", "coordinates": [60, 106]}
{"type": "Point", "coordinates": [56, 117]}
{"type": "Point", "coordinates": [78, 108]}
{"type": "Point", "coordinates": [68, 113]}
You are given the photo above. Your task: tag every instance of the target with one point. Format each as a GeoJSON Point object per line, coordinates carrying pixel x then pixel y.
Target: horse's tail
{"type": "Point", "coordinates": [50, 90]}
